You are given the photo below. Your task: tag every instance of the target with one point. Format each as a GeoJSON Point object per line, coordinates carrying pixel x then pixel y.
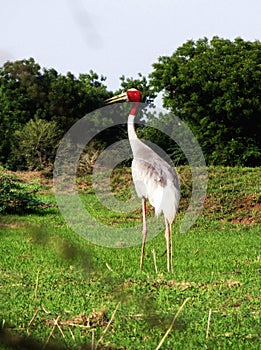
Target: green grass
{"type": "Point", "coordinates": [59, 291]}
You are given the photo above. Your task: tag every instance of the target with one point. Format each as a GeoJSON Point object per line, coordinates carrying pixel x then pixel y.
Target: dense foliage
{"type": "Point", "coordinates": [214, 86]}
{"type": "Point", "coordinates": [29, 93]}
{"type": "Point", "coordinates": [17, 196]}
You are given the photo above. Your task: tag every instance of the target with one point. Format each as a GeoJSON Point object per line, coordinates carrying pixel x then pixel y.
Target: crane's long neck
{"type": "Point", "coordinates": [131, 129]}
{"type": "Point", "coordinates": [133, 138]}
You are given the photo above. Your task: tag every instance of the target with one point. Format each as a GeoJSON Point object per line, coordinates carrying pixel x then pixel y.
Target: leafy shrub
{"type": "Point", "coordinates": [88, 157]}
{"type": "Point", "coordinates": [17, 196]}
{"type": "Point", "coordinates": [35, 144]}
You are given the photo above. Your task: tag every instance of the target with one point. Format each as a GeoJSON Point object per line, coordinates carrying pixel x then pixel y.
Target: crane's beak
{"type": "Point", "coordinates": [118, 98]}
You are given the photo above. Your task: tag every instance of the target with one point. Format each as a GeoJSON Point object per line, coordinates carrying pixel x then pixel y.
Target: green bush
{"type": "Point", "coordinates": [35, 145]}
{"type": "Point", "coordinates": [17, 196]}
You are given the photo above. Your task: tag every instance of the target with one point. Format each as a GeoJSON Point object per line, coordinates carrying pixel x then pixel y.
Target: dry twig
{"type": "Point", "coordinates": [52, 330]}
{"type": "Point", "coordinates": [155, 261]}
{"type": "Point", "coordinates": [208, 324]}
{"type": "Point", "coordinates": [172, 324]}
{"type": "Point", "coordinates": [108, 325]}
{"type": "Point", "coordinates": [32, 319]}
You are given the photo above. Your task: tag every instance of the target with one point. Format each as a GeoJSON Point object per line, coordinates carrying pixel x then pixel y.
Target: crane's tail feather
{"type": "Point", "coordinates": [161, 200]}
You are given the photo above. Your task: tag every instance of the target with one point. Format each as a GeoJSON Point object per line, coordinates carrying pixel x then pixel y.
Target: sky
{"type": "Point", "coordinates": [120, 37]}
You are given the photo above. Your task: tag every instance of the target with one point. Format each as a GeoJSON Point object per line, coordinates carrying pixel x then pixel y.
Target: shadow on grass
{"type": "Point", "coordinates": [10, 340]}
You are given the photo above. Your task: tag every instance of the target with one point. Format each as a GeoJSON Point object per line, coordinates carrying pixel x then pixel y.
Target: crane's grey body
{"type": "Point", "coordinates": [155, 180]}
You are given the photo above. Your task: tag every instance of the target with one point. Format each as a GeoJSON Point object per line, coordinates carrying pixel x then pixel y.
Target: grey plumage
{"type": "Point", "coordinates": [155, 180]}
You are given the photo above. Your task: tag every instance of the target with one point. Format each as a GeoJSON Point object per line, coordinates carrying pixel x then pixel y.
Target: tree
{"type": "Point", "coordinates": [20, 96]}
{"type": "Point", "coordinates": [215, 88]}
{"type": "Point", "coordinates": [70, 98]}
{"type": "Point", "coordinates": [29, 93]}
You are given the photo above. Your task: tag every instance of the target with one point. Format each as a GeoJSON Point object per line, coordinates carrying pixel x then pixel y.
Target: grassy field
{"type": "Point", "coordinates": [57, 291]}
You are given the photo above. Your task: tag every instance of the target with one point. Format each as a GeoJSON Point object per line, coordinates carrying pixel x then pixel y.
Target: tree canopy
{"type": "Point", "coordinates": [214, 86]}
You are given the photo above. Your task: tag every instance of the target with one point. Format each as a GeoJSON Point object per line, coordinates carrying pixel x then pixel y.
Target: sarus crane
{"type": "Point", "coordinates": [154, 179]}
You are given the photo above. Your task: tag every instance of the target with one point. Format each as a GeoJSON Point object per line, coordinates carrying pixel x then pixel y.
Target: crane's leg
{"type": "Point", "coordinates": [171, 247]}
{"type": "Point", "coordinates": [168, 243]}
{"type": "Point", "coordinates": [144, 231]}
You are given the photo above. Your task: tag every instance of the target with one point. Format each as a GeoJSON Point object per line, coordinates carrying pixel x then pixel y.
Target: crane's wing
{"type": "Point", "coordinates": [156, 180]}
{"type": "Point", "coordinates": [145, 173]}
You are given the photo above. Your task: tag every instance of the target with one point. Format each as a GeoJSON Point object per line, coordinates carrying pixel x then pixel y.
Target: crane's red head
{"type": "Point", "coordinates": [131, 95]}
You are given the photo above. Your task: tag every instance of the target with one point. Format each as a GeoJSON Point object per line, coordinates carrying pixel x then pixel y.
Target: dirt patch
{"type": "Point", "coordinates": [34, 176]}
{"type": "Point", "coordinates": [96, 318]}
{"type": "Point", "coordinates": [248, 210]}
{"type": "Point", "coordinates": [12, 225]}
{"type": "Point", "coordinates": [244, 209]}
